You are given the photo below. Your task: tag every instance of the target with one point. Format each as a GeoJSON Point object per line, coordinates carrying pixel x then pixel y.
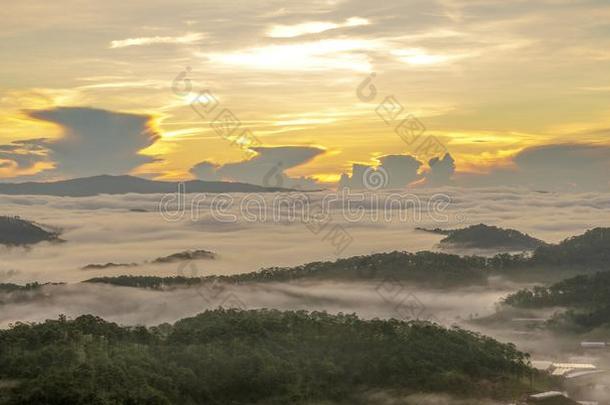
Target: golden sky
{"type": "Point", "coordinates": [487, 78]}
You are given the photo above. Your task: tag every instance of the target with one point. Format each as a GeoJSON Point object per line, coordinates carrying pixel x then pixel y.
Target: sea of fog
{"type": "Point", "coordinates": [249, 232]}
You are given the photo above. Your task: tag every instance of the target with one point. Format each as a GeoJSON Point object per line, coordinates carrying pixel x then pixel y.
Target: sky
{"type": "Point", "coordinates": [510, 92]}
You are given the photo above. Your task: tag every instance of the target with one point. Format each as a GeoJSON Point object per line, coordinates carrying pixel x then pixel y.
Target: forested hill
{"type": "Point", "coordinates": [15, 231]}
{"type": "Point", "coordinates": [250, 357]}
{"type": "Point", "coordinates": [589, 249]}
{"type": "Point", "coordinates": [585, 297]}
{"type": "Point", "coordinates": [579, 291]}
{"type": "Point", "coordinates": [483, 236]}
{"type": "Point", "coordinates": [425, 268]}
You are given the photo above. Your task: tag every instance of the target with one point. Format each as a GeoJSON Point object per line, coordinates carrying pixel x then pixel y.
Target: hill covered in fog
{"type": "Point", "coordinates": [583, 253]}
{"type": "Point", "coordinates": [15, 231]}
{"type": "Point", "coordinates": [426, 268]}
{"type": "Point", "coordinates": [483, 236]}
{"type": "Point", "coordinates": [584, 301]}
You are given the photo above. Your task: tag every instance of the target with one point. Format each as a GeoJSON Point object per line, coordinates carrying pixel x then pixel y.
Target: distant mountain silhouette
{"type": "Point", "coordinates": [15, 231]}
{"type": "Point", "coordinates": [105, 184]}
{"type": "Point", "coordinates": [108, 265]}
{"type": "Point", "coordinates": [437, 231]}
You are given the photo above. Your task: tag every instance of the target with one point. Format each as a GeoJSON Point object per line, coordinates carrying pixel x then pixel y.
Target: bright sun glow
{"type": "Point", "coordinates": [314, 27]}
{"type": "Point", "coordinates": [318, 55]}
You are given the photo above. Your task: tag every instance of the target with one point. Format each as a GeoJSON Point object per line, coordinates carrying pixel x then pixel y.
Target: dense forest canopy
{"type": "Point", "coordinates": [580, 291]}
{"type": "Point", "coordinates": [245, 357]}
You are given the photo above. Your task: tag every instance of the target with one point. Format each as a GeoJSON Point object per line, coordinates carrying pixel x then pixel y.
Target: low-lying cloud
{"type": "Point", "coordinates": [104, 229]}
{"type": "Point", "coordinates": [150, 307]}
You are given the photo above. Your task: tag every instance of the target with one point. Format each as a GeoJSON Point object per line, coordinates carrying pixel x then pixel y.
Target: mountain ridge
{"type": "Point", "coordinates": [124, 184]}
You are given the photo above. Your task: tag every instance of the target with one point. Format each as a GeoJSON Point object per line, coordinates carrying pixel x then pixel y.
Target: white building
{"type": "Point", "coordinates": [562, 369]}
{"type": "Point", "coordinates": [593, 345]}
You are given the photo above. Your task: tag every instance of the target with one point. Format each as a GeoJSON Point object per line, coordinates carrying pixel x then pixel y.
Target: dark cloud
{"type": "Point", "coordinates": [93, 142]}
{"type": "Point", "coordinates": [206, 171]}
{"type": "Point", "coordinates": [393, 171]}
{"type": "Point", "coordinates": [441, 171]}
{"type": "Point", "coordinates": [267, 168]}
{"type": "Point", "coordinates": [398, 171]}
{"type": "Point", "coordinates": [402, 169]}
{"type": "Point", "coordinates": [564, 167]}
{"type": "Point", "coordinates": [356, 180]}
{"type": "Point", "coordinates": [98, 141]}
